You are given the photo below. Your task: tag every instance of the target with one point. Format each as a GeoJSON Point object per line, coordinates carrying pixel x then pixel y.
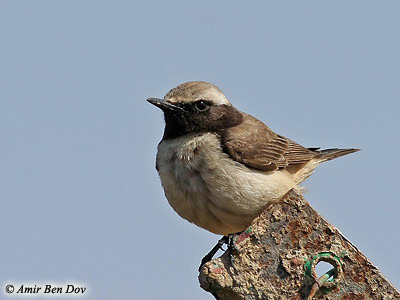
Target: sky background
{"type": "Point", "coordinates": [80, 198]}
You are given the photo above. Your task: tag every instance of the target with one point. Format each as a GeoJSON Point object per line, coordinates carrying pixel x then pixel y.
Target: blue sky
{"type": "Point", "coordinates": [81, 200]}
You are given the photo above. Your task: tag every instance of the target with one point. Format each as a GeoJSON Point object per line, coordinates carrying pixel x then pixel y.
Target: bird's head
{"type": "Point", "coordinates": [196, 106]}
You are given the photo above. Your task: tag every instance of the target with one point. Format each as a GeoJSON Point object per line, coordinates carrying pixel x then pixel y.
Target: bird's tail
{"type": "Point", "coordinates": [329, 154]}
{"type": "Point", "coordinates": [321, 156]}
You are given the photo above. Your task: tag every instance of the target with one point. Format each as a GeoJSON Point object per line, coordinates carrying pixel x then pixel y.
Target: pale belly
{"type": "Point", "coordinates": [207, 188]}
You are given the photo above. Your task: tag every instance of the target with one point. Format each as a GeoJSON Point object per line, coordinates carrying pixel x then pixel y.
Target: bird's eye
{"type": "Point", "coordinates": [201, 105]}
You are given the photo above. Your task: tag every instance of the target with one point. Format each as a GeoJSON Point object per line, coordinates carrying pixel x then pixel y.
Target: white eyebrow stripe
{"type": "Point", "coordinates": [214, 96]}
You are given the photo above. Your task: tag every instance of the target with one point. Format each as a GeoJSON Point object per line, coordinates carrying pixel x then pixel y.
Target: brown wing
{"type": "Point", "coordinates": [255, 145]}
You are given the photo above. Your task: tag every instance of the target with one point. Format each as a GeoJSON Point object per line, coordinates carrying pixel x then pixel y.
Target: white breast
{"type": "Point", "coordinates": [206, 187]}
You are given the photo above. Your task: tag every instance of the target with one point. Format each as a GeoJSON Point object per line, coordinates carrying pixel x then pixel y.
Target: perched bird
{"type": "Point", "coordinates": [220, 167]}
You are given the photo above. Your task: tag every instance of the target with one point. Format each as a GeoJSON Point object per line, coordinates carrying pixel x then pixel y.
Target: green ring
{"type": "Point", "coordinates": [308, 263]}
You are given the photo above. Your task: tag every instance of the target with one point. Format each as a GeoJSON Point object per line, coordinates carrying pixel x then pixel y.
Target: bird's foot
{"type": "Point", "coordinates": [232, 246]}
{"type": "Point", "coordinates": [229, 241]}
{"type": "Point", "coordinates": [210, 255]}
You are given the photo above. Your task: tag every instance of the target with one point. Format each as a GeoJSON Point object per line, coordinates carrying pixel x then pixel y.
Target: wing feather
{"type": "Point", "coordinates": [255, 145]}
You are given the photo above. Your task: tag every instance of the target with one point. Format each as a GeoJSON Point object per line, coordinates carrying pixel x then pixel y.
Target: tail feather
{"type": "Point", "coordinates": [329, 154]}
{"type": "Point", "coordinates": [321, 156]}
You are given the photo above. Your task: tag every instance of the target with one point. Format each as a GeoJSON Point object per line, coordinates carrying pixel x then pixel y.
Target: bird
{"type": "Point", "coordinates": [221, 167]}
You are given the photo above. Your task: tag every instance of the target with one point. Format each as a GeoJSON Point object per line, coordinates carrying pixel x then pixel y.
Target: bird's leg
{"type": "Point", "coordinates": [218, 246]}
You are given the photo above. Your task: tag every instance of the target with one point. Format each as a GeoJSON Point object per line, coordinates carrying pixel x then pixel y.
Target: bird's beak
{"type": "Point", "coordinates": [164, 105]}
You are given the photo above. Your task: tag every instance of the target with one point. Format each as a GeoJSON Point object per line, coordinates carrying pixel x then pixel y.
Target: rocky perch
{"type": "Point", "coordinates": [275, 258]}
